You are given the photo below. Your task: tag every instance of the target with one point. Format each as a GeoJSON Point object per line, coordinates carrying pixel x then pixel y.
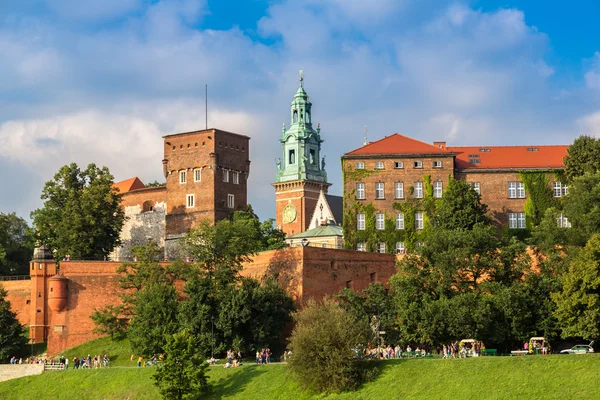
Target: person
{"type": "Point", "coordinates": [257, 356]}
{"type": "Point", "coordinates": [212, 360]}
{"type": "Point", "coordinates": [526, 345]}
{"type": "Point", "coordinates": [66, 363]}
{"type": "Point", "coordinates": [227, 364]}
{"type": "Point", "coordinates": [140, 360]}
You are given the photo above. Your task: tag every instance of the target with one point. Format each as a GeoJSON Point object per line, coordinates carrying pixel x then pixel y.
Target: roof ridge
{"type": "Point", "coordinates": [506, 146]}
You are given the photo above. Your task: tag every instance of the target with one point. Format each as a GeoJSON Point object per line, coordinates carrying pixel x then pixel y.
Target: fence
{"type": "Point", "coordinates": [15, 278]}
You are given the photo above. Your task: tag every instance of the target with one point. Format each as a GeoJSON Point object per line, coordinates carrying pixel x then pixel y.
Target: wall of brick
{"type": "Point", "coordinates": [304, 195]}
{"type": "Point", "coordinates": [19, 295]}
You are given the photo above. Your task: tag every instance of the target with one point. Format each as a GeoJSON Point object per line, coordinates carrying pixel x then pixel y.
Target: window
{"type": "Point", "coordinates": [532, 149]}
{"type": "Point", "coordinates": [400, 248]}
{"type": "Point", "coordinates": [418, 164]}
{"type": "Point", "coordinates": [292, 157]}
{"type": "Point", "coordinates": [516, 190]}
{"type": "Point", "coordinates": [360, 191]}
{"type": "Point", "coordinates": [400, 221]}
{"type": "Point", "coordinates": [361, 246]}
{"type": "Point", "coordinates": [197, 175]}
{"type": "Point", "coordinates": [236, 178]}
{"type": "Point", "coordinates": [437, 164]}
{"type": "Point", "coordinates": [559, 190]}
{"type": "Point", "coordinates": [419, 220]}
{"type": "Point", "coordinates": [311, 155]}
{"type": "Point", "coordinates": [380, 247]}
{"type": "Point", "coordinates": [349, 285]}
{"type": "Point", "coordinates": [437, 190]}
{"type": "Point", "coordinates": [225, 175]}
{"type": "Point", "coordinates": [562, 221]}
{"type": "Point", "coordinates": [399, 190]}
{"type": "Point", "coordinates": [360, 165]}
{"type": "Point", "coordinates": [484, 150]}
{"type": "Point", "coordinates": [418, 190]}
{"type": "Point", "coordinates": [190, 201]}
{"type": "Point", "coordinates": [379, 165]}
{"type": "Point", "coordinates": [379, 221]}
{"type": "Point", "coordinates": [360, 222]}
{"type": "Point", "coordinates": [474, 161]}
{"type": "Point", "coordinates": [476, 187]}
{"type": "Point", "coordinates": [230, 201]}
{"type": "Point", "coordinates": [182, 176]}
{"type": "Point", "coordinates": [379, 190]}
{"type": "Point", "coordinates": [398, 164]}
{"type": "Point", "coordinates": [516, 220]}
{"type": "Point", "coordinates": [373, 276]}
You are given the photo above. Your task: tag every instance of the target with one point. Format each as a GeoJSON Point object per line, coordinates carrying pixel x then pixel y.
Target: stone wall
{"type": "Point", "coordinates": [9, 371]}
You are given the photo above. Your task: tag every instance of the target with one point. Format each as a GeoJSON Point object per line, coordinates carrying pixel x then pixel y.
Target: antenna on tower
{"type": "Point", "coordinates": [366, 142]}
{"type": "Point", "coordinates": [206, 104]}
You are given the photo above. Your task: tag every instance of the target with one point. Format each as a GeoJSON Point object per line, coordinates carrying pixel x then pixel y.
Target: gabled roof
{"type": "Point", "coordinates": [320, 231]}
{"type": "Point", "coordinates": [509, 157]}
{"type": "Point", "coordinates": [335, 205]}
{"type": "Point", "coordinates": [397, 144]}
{"type": "Point", "coordinates": [129, 185]}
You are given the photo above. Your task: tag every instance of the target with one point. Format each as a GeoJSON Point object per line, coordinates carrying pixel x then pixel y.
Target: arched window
{"type": "Point", "coordinates": [307, 117]}
{"type": "Point", "coordinates": [295, 116]}
{"type": "Point", "coordinates": [292, 159]}
{"type": "Point", "coordinates": [147, 206]}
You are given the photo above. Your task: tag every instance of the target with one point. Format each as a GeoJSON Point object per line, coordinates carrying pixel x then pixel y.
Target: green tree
{"type": "Point", "coordinates": [460, 207]}
{"type": "Point", "coordinates": [11, 331]}
{"type": "Point", "coordinates": [82, 215]}
{"type": "Point", "coordinates": [156, 184]}
{"type": "Point", "coordinates": [326, 345]}
{"type": "Point", "coordinates": [583, 157]}
{"type": "Point", "coordinates": [578, 303]}
{"type": "Point", "coordinates": [16, 245]}
{"type": "Point", "coordinates": [582, 207]}
{"type": "Point", "coordinates": [182, 374]}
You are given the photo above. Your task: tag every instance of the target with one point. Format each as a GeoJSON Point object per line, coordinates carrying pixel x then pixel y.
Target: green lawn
{"type": "Point", "coordinates": [529, 377]}
{"type": "Point", "coordinates": [118, 352]}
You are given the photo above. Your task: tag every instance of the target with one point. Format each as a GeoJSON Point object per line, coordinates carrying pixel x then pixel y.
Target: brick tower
{"type": "Point", "coordinates": [42, 267]}
{"type": "Point", "coordinates": [301, 172]}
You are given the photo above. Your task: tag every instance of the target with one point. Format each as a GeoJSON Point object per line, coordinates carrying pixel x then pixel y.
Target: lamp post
{"type": "Point", "coordinates": [32, 342]}
{"type": "Point", "coordinates": [212, 337]}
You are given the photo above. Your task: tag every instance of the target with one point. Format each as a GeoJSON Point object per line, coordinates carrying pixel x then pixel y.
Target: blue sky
{"type": "Point", "coordinates": [90, 81]}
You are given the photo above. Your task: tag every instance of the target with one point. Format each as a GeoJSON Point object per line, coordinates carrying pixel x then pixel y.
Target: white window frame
{"type": "Point", "coordinates": [225, 175]}
{"type": "Point", "coordinates": [379, 190]}
{"type": "Point", "coordinates": [399, 221]}
{"type": "Point", "coordinates": [399, 190]}
{"type": "Point", "coordinates": [198, 175]}
{"type": "Point", "coordinates": [400, 248]}
{"type": "Point", "coordinates": [437, 164]}
{"type": "Point", "coordinates": [360, 222]}
{"type": "Point", "coordinates": [379, 221]}
{"type": "Point", "coordinates": [360, 190]}
{"type": "Point", "coordinates": [362, 246]}
{"type": "Point", "coordinates": [190, 201]}
{"type": "Point", "coordinates": [398, 164]}
{"type": "Point", "coordinates": [236, 178]}
{"type": "Point", "coordinates": [418, 190]}
{"type": "Point", "coordinates": [379, 165]}
{"type": "Point", "coordinates": [182, 177]}
{"type": "Point", "coordinates": [418, 164]}
{"type": "Point", "coordinates": [559, 189]}
{"type": "Point", "coordinates": [360, 165]}
{"type": "Point", "coordinates": [380, 247]}
{"type": "Point", "coordinates": [437, 189]}
{"type": "Point", "coordinates": [516, 190]}
{"type": "Point", "coordinates": [562, 221]}
{"type": "Point", "coordinates": [516, 221]}
{"type": "Point", "coordinates": [476, 187]}
{"type": "Point", "coordinates": [419, 222]}
{"type": "Point", "coordinates": [230, 201]}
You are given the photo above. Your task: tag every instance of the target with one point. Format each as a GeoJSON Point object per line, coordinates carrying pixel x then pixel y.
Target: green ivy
{"type": "Point", "coordinates": [539, 196]}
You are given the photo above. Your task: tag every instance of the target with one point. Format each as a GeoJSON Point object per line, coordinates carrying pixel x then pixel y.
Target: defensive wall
{"type": "Point", "coordinates": [60, 310]}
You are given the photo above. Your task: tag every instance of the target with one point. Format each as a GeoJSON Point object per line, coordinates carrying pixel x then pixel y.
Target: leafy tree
{"type": "Point", "coordinates": [156, 184]}
{"type": "Point", "coordinates": [11, 331]}
{"type": "Point", "coordinates": [82, 215]}
{"type": "Point", "coordinates": [460, 208]}
{"type": "Point", "coordinates": [16, 245]}
{"type": "Point", "coordinates": [583, 157]}
{"type": "Point", "coordinates": [183, 372]}
{"type": "Point", "coordinates": [109, 321]}
{"type": "Point", "coordinates": [582, 207]}
{"type": "Point", "coordinates": [578, 303]}
{"type": "Point", "coordinates": [325, 344]}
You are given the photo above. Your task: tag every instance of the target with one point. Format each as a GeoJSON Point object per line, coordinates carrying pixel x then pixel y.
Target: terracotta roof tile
{"type": "Point", "coordinates": [129, 185]}
{"type": "Point", "coordinates": [509, 157]}
{"type": "Point", "coordinates": [397, 144]}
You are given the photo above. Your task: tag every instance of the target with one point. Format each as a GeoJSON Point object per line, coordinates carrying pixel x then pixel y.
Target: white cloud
{"type": "Point", "coordinates": [592, 76]}
{"type": "Point", "coordinates": [590, 124]}
{"type": "Point", "coordinates": [93, 10]}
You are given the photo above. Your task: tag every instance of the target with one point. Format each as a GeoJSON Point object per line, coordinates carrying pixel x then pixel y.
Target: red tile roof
{"type": "Point", "coordinates": [129, 185]}
{"type": "Point", "coordinates": [509, 157]}
{"type": "Point", "coordinates": [397, 144]}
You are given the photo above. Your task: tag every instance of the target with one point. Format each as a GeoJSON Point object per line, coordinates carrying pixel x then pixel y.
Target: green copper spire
{"type": "Point", "coordinates": [301, 144]}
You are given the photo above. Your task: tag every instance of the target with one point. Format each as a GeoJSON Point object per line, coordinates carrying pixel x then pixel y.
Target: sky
{"type": "Point", "coordinates": [102, 81]}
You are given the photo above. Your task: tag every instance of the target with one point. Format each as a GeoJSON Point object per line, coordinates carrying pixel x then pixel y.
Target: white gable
{"type": "Point", "coordinates": [321, 213]}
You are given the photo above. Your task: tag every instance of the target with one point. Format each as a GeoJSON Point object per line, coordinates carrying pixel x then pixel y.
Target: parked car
{"type": "Point", "coordinates": [579, 349]}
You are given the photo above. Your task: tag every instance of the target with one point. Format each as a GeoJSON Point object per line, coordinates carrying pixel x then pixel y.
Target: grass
{"type": "Point", "coordinates": [118, 352]}
{"type": "Point", "coordinates": [530, 377]}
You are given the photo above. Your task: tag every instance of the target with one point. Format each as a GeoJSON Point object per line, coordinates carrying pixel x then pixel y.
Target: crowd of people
{"type": "Point", "coordinates": [83, 362]}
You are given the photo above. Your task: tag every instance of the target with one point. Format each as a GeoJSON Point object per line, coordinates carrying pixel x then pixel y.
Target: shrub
{"type": "Point", "coordinates": [324, 347]}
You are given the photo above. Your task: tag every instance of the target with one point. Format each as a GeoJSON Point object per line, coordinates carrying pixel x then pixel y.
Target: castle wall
{"type": "Point", "coordinates": [19, 295]}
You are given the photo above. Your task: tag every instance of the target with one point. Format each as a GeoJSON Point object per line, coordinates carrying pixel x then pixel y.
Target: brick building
{"type": "Point", "coordinates": [206, 176]}
{"type": "Point", "coordinates": [385, 181]}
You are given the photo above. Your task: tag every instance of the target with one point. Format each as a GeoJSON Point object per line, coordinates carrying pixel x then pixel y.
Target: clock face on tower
{"type": "Point", "coordinates": [289, 214]}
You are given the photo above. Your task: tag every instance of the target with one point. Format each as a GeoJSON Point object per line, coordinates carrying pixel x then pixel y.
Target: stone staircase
{"type": "Point", "coordinates": [9, 371]}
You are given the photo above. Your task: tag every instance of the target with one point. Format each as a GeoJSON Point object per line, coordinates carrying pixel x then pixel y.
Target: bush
{"type": "Point", "coordinates": [324, 347]}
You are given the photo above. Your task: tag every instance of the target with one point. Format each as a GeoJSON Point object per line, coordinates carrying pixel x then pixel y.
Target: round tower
{"type": "Point", "coordinates": [57, 292]}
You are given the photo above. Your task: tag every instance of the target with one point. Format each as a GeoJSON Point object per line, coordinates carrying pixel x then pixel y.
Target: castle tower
{"type": "Point", "coordinates": [301, 172]}
{"type": "Point", "coordinates": [41, 267]}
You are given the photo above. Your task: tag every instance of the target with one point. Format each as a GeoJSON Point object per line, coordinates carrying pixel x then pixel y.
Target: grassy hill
{"type": "Point", "coordinates": [530, 377]}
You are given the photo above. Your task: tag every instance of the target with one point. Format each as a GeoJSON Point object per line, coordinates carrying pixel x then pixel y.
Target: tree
{"type": "Point", "coordinates": [183, 372]}
{"type": "Point", "coordinates": [583, 157]}
{"type": "Point", "coordinates": [578, 303]}
{"type": "Point", "coordinates": [156, 184]}
{"type": "Point", "coordinates": [11, 331]}
{"type": "Point", "coordinates": [582, 207]}
{"type": "Point", "coordinates": [82, 215]}
{"type": "Point", "coordinates": [460, 208]}
{"type": "Point", "coordinates": [326, 345]}
{"type": "Point", "coordinates": [16, 245]}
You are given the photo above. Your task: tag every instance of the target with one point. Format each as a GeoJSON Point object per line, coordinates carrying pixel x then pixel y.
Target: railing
{"type": "Point", "coordinates": [54, 367]}
{"type": "Point", "coordinates": [15, 278]}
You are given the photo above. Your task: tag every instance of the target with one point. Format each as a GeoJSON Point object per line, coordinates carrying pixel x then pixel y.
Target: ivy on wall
{"type": "Point", "coordinates": [539, 196]}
